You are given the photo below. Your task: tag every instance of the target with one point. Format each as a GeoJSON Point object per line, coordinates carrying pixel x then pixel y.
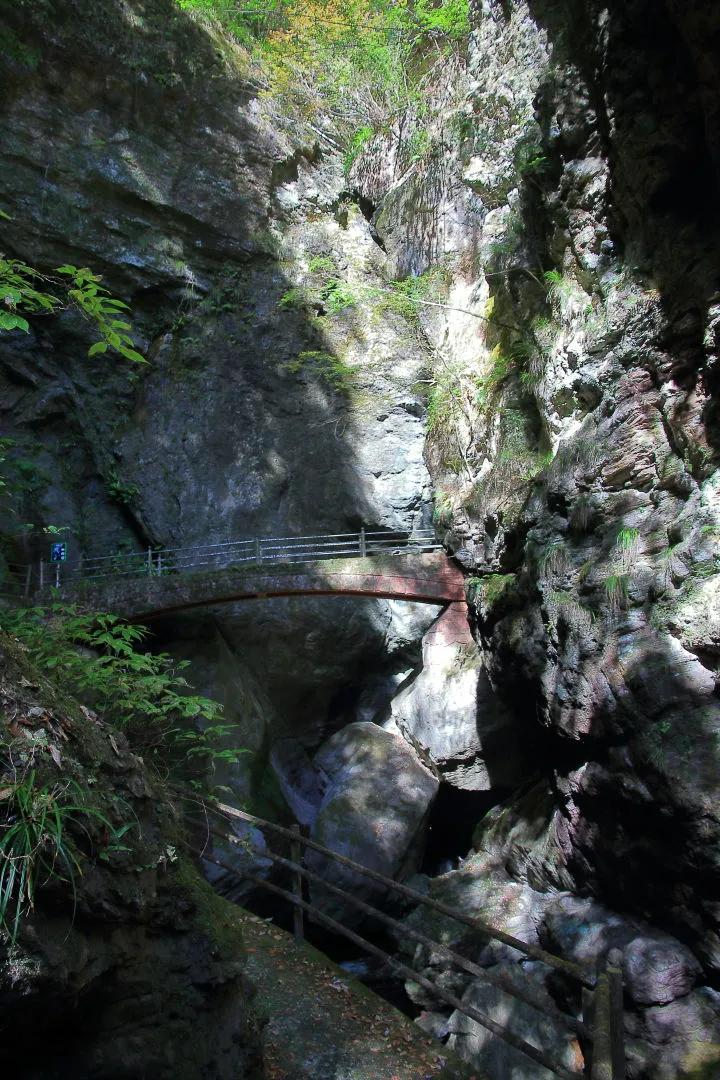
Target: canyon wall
{"type": "Point", "coordinates": [548, 394]}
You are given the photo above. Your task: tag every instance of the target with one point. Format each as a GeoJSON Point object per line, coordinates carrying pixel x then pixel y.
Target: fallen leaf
{"type": "Point", "coordinates": [55, 755]}
{"type": "Point", "coordinates": [5, 793]}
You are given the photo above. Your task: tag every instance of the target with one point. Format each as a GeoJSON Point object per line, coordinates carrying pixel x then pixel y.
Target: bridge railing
{"type": "Point", "coordinates": [258, 551]}
{"type": "Point", "coordinates": [601, 1029]}
{"type": "Point", "coordinates": [15, 580]}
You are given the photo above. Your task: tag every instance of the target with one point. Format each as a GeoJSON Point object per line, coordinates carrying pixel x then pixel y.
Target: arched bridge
{"type": "Point", "coordinates": [397, 566]}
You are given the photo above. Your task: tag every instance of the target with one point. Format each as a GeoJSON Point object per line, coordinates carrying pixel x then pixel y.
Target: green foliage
{"type": "Point", "coordinates": [356, 143]}
{"type": "Point", "coordinates": [25, 291]}
{"type": "Point", "coordinates": [248, 23]}
{"type": "Point", "coordinates": [491, 587]}
{"type": "Point", "coordinates": [443, 509]}
{"type": "Point", "coordinates": [530, 161]}
{"type": "Point", "coordinates": [326, 290]}
{"type": "Point", "coordinates": [322, 264]}
{"type": "Point", "coordinates": [37, 845]}
{"type": "Point", "coordinates": [507, 485]}
{"type": "Point", "coordinates": [337, 296]}
{"type": "Point", "coordinates": [627, 548]}
{"type": "Point", "coordinates": [118, 491]}
{"type": "Point", "coordinates": [444, 417]}
{"type": "Point", "coordinates": [97, 658]}
{"type": "Point", "coordinates": [353, 61]}
{"type": "Point", "coordinates": [11, 46]}
{"type": "Point", "coordinates": [404, 296]}
{"type": "Point", "coordinates": [419, 145]}
{"type": "Point", "coordinates": [330, 369]}
{"type": "Point", "coordinates": [616, 588]}
{"type": "Point", "coordinates": [19, 476]}
{"type": "Point", "coordinates": [553, 559]}
{"type": "Point", "coordinates": [565, 608]}
{"type": "Point", "coordinates": [19, 293]}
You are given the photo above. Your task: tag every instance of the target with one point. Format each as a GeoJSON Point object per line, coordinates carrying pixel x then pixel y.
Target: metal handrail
{"type": "Point", "coordinates": [606, 1030]}
{"type": "Point", "coordinates": [226, 554]}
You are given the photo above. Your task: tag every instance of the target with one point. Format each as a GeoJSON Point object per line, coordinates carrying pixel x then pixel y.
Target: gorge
{"type": "Point", "coordinates": [498, 317]}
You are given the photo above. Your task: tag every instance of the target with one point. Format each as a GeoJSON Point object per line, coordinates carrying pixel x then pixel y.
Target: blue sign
{"type": "Point", "coordinates": [58, 552]}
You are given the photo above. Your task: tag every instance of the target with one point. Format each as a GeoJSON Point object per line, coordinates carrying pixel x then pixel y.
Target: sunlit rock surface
{"type": "Point", "coordinates": [373, 810]}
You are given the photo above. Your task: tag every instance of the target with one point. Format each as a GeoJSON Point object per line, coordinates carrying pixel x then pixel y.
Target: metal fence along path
{"type": "Point", "coordinates": [600, 1031]}
{"type": "Point", "coordinates": [255, 552]}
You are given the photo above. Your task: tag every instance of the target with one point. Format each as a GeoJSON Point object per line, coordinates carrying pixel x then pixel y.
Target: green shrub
{"type": "Point", "coordinates": [328, 368]}
{"type": "Point", "coordinates": [97, 658]}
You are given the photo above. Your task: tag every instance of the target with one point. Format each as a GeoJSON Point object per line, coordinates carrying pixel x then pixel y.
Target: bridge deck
{"type": "Point", "coordinates": [423, 578]}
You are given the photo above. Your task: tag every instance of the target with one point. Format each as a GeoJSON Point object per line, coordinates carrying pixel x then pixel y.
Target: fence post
{"type": "Point", "coordinates": [296, 857]}
{"type": "Point", "coordinates": [608, 1054]}
{"type": "Point", "coordinates": [363, 544]}
{"type": "Point", "coordinates": [28, 574]}
{"type": "Point", "coordinates": [159, 563]}
{"type": "Point", "coordinates": [42, 575]}
{"type": "Point", "coordinates": [617, 1016]}
{"type": "Point", "coordinates": [149, 562]}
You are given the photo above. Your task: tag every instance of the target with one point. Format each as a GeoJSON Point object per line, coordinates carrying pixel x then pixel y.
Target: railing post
{"type": "Point", "coordinates": [28, 574]}
{"type": "Point", "coordinates": [159, 564]}
{"type": "Point", "coordinates": [363, 543]}
{"type": "Point", "coordinates": [296, 857]}
{"type": "Point", "coordinates": [608, 1051]}
{"type": "Point", "coordinates": [149, 562]}
{"type": "Point", "coordinates": [42, 575]}
{"type": "Point", "coordinates": [617, 1015]}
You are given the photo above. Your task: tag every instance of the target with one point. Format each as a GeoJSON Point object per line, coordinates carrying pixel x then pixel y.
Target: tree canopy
{"type": "Point", "coordinates": [354, 60]}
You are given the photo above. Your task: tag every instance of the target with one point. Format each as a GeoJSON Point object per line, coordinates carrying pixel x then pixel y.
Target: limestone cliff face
{"type": "Point", "coordinates": [559, 202]}
{"type": "Point", "coordinates": [284, 393]}
{"type": "Point", "coordinates": [576, 457]}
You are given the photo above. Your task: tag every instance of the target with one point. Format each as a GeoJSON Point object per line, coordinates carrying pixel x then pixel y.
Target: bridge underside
{"type": "Point", "coordinates": [428, 578]}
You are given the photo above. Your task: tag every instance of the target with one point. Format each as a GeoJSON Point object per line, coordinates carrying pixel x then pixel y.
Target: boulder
{"type": "Point", "coordinates": [678, 1039]}
{"type": "Point", "coordinates": [374, 811]}
{"type": "Point", "coordinates": [657, 968]}
{"type": "Point", "coordinates": [302, 784]}
{"type": "Point", "coordinates": [451, 713]}
{"type": "Point", "coordinates": [496, 1058]}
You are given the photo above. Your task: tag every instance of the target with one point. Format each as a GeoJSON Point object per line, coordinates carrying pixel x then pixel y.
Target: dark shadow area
{"type": "Point", "coordinates": [453, 818]}
{"type": "Point", "coordinates": [653, 77]}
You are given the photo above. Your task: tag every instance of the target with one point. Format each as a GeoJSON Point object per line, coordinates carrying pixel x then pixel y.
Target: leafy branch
{"type": "Point", "coordinates": [25, 291]}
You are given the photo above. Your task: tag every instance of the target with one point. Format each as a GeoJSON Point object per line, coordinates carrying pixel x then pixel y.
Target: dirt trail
{"type": "Point", "coordinates": [325, 1025]}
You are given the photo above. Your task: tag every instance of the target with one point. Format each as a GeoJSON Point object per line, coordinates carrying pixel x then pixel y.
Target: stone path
{"type": "Point", "coordinates": [324, 1025]}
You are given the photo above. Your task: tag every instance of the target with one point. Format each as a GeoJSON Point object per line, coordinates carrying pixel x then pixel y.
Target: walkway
{"type": "Point", "coordinates": [325, 1025]}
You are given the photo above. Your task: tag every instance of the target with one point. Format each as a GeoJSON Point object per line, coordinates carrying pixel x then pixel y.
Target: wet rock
{"type": "Point", "coordinates": [677, 1039]}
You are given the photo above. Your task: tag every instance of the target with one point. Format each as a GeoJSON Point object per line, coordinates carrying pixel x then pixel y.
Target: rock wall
{"type": "Point", "coordinates": [559, 217]}
{"type": "Point", "coordinates": [127, 964]}
{"type": "Point", "coordinates": [569, 196]}
{"type": "Point", "coordinates": [284, 389]}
